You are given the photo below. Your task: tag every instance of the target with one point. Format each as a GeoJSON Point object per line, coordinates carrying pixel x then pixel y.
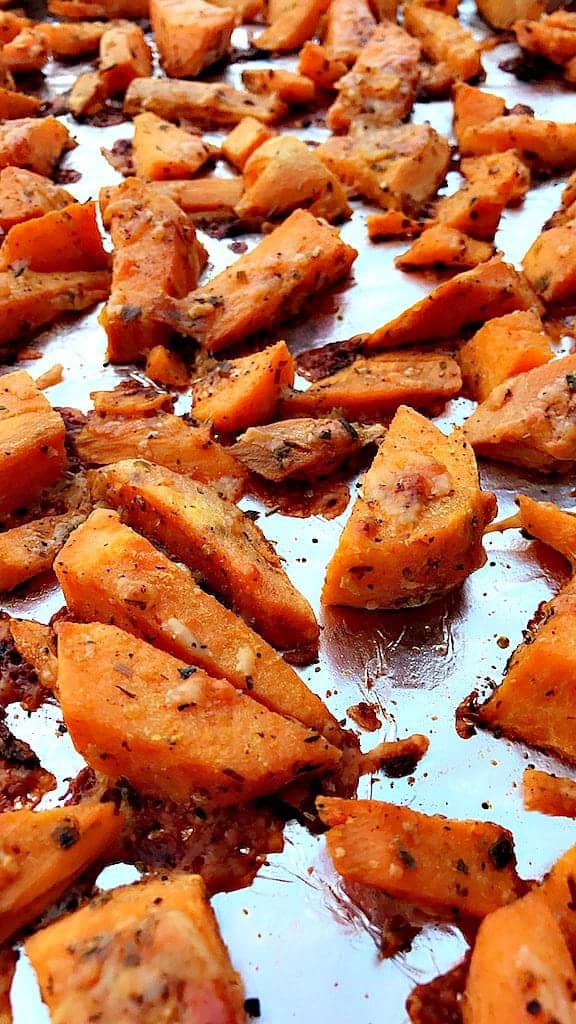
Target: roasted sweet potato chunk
{"type": "Point", "coordinates": [503, 174]}
{"type": "Point", "coordinates": [26, 53]}
{"type": "Point", "coordinates": [162, 151]}
{"type": "Point", "coordinates": [108, 572]}
{"type": "Point", "coordinates": [548, 794]}
{"type": "Point", "coordinates": [316, 64]}
{"type": "Point", "coordinates": [550, 264]}
{"type": "Point", "coordinates": [530, 419]}
{"type": "Point", "coordinates": [416, 528]}
{"type": "Point", "coordinates": [211, 198]}
{"type": "Point", "coordinates": [553, 36]}
{"type": "Point", "coordinates": [243, 140]}
{"type": "Point", "coordinates": [24, 195]}
{"type": "Point", "coordinates": [504, 347]}
{"type": "Point", "coordinates": [166, 368]}
{"type": "Point", "coordinates": [292, 22]}
{"type": "Point", "coordinates": [44, 851]}
{"type": "Point", "coordinates": [443, 38]}
{"type": "Point", "coordinates": [473, 108]}
{"type": "Point", "coordinates": [557, 888]}
{"type": "Point", "coordinates": [294, 89]}
{"type": "Point", "coordinates": [347, 28]}
{"type": "Point", "coordinates": [443, 246]}
{"type": "Point", "coordinates": [207, 104]}
{"type": "Point", "coordinates": [36, 644]}
{"type": "Point", "coordinates": [62, 241]}
{"type": "Point", "coordinates": [76, 40]}
{"type": "Point", "coordinates": [545, 145]}
{"type": "Point", "coordinates": [130, 400]}
{"type": "Point", "coordinates": [26, 551]}
{"type": "Point", "coordinates": [222, 546]}
{"type": "Point", "coordinates": [474, 208]}
{"type": "Point", "coordinates": [392, 224]}
{"type": "Point", "coordinates": [448, 868]}
{"type": "Point", "coordinates": [15, 105]}
{"type": "Point", "coordinates": [36, 145]}
{"type": "Point", "coordinates": [155, 950]}
{"type": "Point", "coordinates": [503, 15]}
{"type": "Point", "coordinates": [549, 524]}
{"type": "Point", "coordinates": [174, 731]}
{"type": "Point", "coordinates": [190, 34]}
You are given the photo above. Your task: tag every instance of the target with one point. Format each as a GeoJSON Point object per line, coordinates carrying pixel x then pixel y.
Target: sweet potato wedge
{"type": "Point", "coordinates": [155, 950]}
{"type": "Point", "coordinates": [44, 851]}
{"type": "Point", "coordinates": [16, 105]}
{"type": "Point", "coordinates": [291, 24]}
{"type": "Point", "coordinates": [504, 173]}
{"type": "Point", "coordinates": [315, 63]}
{"type": "Point", "coordinates": [129, 400]}
{"type": "Point", "coordinates": [302, 449]}
{"type": "Point", "coordinates": [535, 700]}
{"type": "Point", "coordinates": [548, 794]}
{"type": "Point", "coordinates": [36, 644]}
{"type": "Point", "coordinates": [445, 867]}
{"type": "Point", "coordinates": [266, 286]}
{"type": "Point", "coordinates": [549, 524]}
{"type": "Point", "coordinates": [443, 246]}
{"type": "Point", "coordinates": [26, 551]}
{"type": "Point", "coordinates": [491, 289]}
{"type": "Point", "coordinates": [381, 87]}
{"type": "Point", "coordinates": [32, 454]}
{"type": "Point", "coordinates": [62, 241]}
{"type": "Point", "coordinates": [207, 104]}
{"type": "Point", "coordinates": [190, 34]}
{"type": "Point", "coordinates": [293, 89]}
{"type": "Point", "coordinates": [520, 967]}
{"type": "Point", "coordinates": [156, 254]}
{"type": "Point", "coordinates": [173, 731]}
{"type": "Point", "coordinates": [162, 151]}
{"type": "Point", "coordinates": [550, 264]}
{"type": "Point", "coordinates": [211, 198]}
{"type": "Point", "coordinates": [243, 392]}
{"type": "Point", "coordinates": [36, 145]}
{"type": "Point", "coordinates": [416, 528]}
{"type": "Point", "coordinates": [24, 195]}
{"type": "Point", "coordinates": [66, 41]}
{"type": "Point", "coordinates": [243, 140]}
{"type": "Point", "coordinates": [167, 441]}
{"type": "Point", "coordinates": [29, 300]}
{"type": "Point", "coordinates": [347, 28]}
{"type": "Point", "coordinates": [443, 38]}
{"type": "Point", "coordinates": [530, 420]}
{"type": "Point", "coordinates": [372, 389]}
{"type": "Point", "coordinates": [504, 347]}
{"type": "Point", "coordinates": [166, 368]}
{"type": "Point", "coordinates": [222, 546]}
{"type": "Point", "coordinates": [284, 174]}
{"type": "Point", "coordinates": [109, 573]}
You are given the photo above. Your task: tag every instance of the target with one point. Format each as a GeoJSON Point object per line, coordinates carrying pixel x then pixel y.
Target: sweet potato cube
{"type": "Point", "coordinates": [504, 347]}
{"type": "Point", "coordinates": [284, 174]}
{"type": "Point", "coordinates": [372, 389]}
{"type": "Point", "coordinates": [530, 419]}
{"type": "Point", "coordinates": [292, 88]}
{"type": "Point", "coordinates": [26, 53]}
{"type": "Point", "coordinates": [214, 198]}
{"type": "Point", "coordinates": [136, 712]}
{"type": "Point", "coordinates": [167, 441]}
{"type": "Point", "coordinates": [416, 528]}
{"type": "Point", "coordinates": [110, 573]}
{"type": "Point", "coordinates": [26, 551]}
{"type": "Point", "coordinates": [36, 144]}
{"type": "Point", "coordinates": [266, 286]}
{"type": "Point", "coordinates": [243, 140]}
{"type": "Point", "coordinates": [545, 145]}
{"type": "Point", "coordinates": [31, 442]}
{"type": "Point", "coordinates": [130, 400]}
{"type": "Point", "coordinates": [553, 36]}
{"type": "Point", "coordinates": [36, 643]}
{"type": "Point", "coordinates": [315, 63]}
{"type": "Point", "coordinates": [474, 209]}
{"type": "Point", "coordinates": [292, 23]}
{"type": "Point", "coordinates": [124, 55]}
{"type": "Point", "coordinates": [504, 174]}
{"type": "Point", "coordinates": [443, 38]}
{"type": "Point", "coordinates": [75, 40]}
{"type": "Point", "coordinates": [549, 524]}
{"type": "Point", "coordinates": [491, 289]}
{"type": "Point", "coordinates": [239, 393]}
{"type": "Point", "coordinates": [548, 794]}
{"type": "Point", "coordinates": [24, 195]}
{"type": "Point", "coordinates": [44, 851]}
{"type": "Point", "coordinates": [88, 95]}
{"type": "Point", "coordinates": [154, 945]}
{"type": "Point", "coordinates": [61, 241]}
{"type": "Point", "coordinates": [550, 264]}
{"type": "Point", "coordinates": [473, 108]}
{"type": "Point", "coordinates": [207, 104]}
{"type": "Point", "coordinates": [16, 105]}
{"type": "Point", "coordinates": [10, 25]}
{"type": "Point", "coordinates": [166, 368]}
{"type": "Point", "coordinates": [29, 300]}
{"type": "Point", "coordinates": [222, 546]}
{"type": "Point", "coordinates": [348, 26]}
{"type": "Point", "coordinates": [392, 224]}
{"type": "Point", "coordinates": [76, 9]}
{"type": "Point", "coordinates": [162, 151]}
{"type": "Point", "coordinates": [444, 246]}
{"type": "Point", "coordinates": [520, 966]}
{"type": "Point", "coordinates": [557, 888]}
{"type": "Point", "coordinates": [190, 34]}
{"type": "Point", "coordinates": [503, 15]}
{"type": "Point", "coordinates": [445, 867]}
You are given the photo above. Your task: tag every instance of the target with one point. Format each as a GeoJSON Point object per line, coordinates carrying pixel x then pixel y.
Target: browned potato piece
{"type": "Point", "coordinates": [211, 198]}
{"type": "Point", "coordinates": [208, 104]}
{"type": "Point", "coordinates": [75, 40]}
{"type": "Point", "coordinates": [504, 174]}
{"type": "Point", "coordinates": [29, 300]}
{"type": "Point", "coordinates": [316, 64]}
{"type": "Point", "coordinates": [26, 53]}
{"type": "Point", "coordinates": [190, 34]}
{"type": "Point", "coordinates": [293, 89]}
{"type": "Point", "coordinates": [474, 209]}
{"type": "Point", "coordinates": [443, 38]}
{"type": "Point", "coordinates": [502, 348]}
{"type": "Point", "coordinates": [25, 195]}
{"type": "Point", "coordinates": [546, 145]}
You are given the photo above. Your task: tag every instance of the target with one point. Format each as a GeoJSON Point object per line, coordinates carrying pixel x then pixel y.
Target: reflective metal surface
{"type": "Point", "coordinates": [301, 946]}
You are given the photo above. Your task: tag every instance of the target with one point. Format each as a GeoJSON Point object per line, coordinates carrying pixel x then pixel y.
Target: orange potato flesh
{"type": "Point", "coordinates": [162, 151]}
{"type": "Point", "coordinates": [548, 794]}
{"type": "Point", "coordinates": [243, 140]}
{"type": "Point", "coordinates": [26, 551]}
{"type": "Point", "coordinates": [207, 104]}
{"type": "Point", "coordinates": [444, 246]}
{"type": "Point", "coordinates": [558, 888]}
{"type": "Point", "coordinates": [347, 28]}
{"type": "Point", "coordinates": [34, 144]}
{"type": "Point", "coordinates": [292, 22]}
{"type": "Point", "coordinates": [550, 264]}
{"type": "Point", "coordinates": [190, 34]}
{"type": "Point", "coordinates": [549, 524]}
{"type": "Point", "coordinates": [315, 63]}
{"type": "Point", "coordinates": [504, 347]}
{"type": "Point", "coordinates": [16, 104]}
{"type": "Point", "coordinates": [443, 38]}
{"type": "Point", "coordinates": [292, 88]}
{"type": "Point", "coordinates": [64, 241]}
{"type": "Point", "coordinates": [29, 300]}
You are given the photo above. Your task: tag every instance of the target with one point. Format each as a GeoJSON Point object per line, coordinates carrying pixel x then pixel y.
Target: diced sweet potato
{"type": "Point", "coordinates": [535, 700]}
{"type": "Point", "coordinates": [550, 264]}
{"type": "Point", "coordinates": [557, 888]}
{"type": "Point", "coordinates": [549, 524]}
{"type": "Point", "coordinates": [315, 63]}
{"type": "Point", "coordinates": [108, 572]}
{"type": "Point", "coordinates": [29, 300]}
{"type": "Point", "coordinates": [293, 89]}
{"type": "Point", "coordinates": [373, 388]}
{"type": "Point", "coordinates": [530, 420]}
{"type": "Point", "coordinates": [124, 55]}
{"type": "Point", "coordinates": [473, 108]}
{"type": "Point", "coordinates": [60, 241]}
{"type": "Point", "coordinates": [162, 151]}
{"type": "Point", "coordinates": [88, 95]}
{"type": "Point", "coordinates": [208, 104]}
{"type": "Point", "coordinates": [242, 392]}
{"type": "Point", "coordinates": [36, 144]}
{"type": "Point", "coordinates": [24, 195]}
{"type": "Point", "coordinates": [129, 400]}
{"type": "Point", "coordinates": [302, 449]}
{"type": "Point", "coordinates": [44, 851]}
{"type": "Point", "coordinates": [243, 140]}
{"type": "Point", "coordinates": [553, 36]}
{"type": "Point", "coordinates": [26, 551]}
{"type": "Point", "coordinates": [505, 174]}
{"type": "Point", "coordinates": [156, 254]}
{"type": "Point", "coordinates": [392, 224]}
{"type": "Point", "coordinates": [394, 167]}
{"type": "Point", "coordinates": [75, 40]}
{"type": "Point", "coordinates": [381, 87]}
{"type": "Point", "coordinates": [443, 38]}
{"type": "Point", "coordinates": [545, 145]}
{"type": "Point", "coordinates": [36, 644]}
{"type": "Point", "coordinates": [78, 9]}
{"type": "Point", "coordinates": [166, 368]}
{"type": "Point", "coordinates": [138, 713]}
{"type": "Point", "coordinates": [32, 454]}
{"type": "Point", "coordinates": [244, 10]}
{"type": "Point", "coordinates": [11, 24]}
{"type": "Point", "coordinates": [292, 23]}
{"type": "Point", "coordinates": [444, 246]}
{"type": "Point", "coordinates": [501, 14]}
{"type": "Point", "coordinates": [190, 34]}
{"type": "Point", "coordinates": [222, 546]}
{"type": "Point", "coordinates": [548, 794]}
{"type": "Point", "coordinates": [154, 950]}
{"type": "Point", "coordinates": [448, 868]}
{"type": "Point", "coordinates": [520, 967]}
{"type": "Point", "coordinates": [214, 198]}
{"type": "Point", "coordinates": [167, 441]}
{"type": "Point", "coordinates": [284, 174]}
{"type": "Point", "coordinates": [17, 105]}
{"type": "Point", "coordinates": [347, 28]}
{"type": "Point", "coordinates": [491, 289]}
{"type": "Point", "coordinates": [25, 54]}
{"type": "Point", "coordinates": [474, 209]}
{"type": "Point", "coordinates": [504, 347]}
{"type": "Point", "coordinates": [416, 528]}
{"type": "Point", "coordinates": [266, 286]}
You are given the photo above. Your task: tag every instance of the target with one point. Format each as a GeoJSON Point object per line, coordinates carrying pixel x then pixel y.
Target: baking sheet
{"type": "Point", "coordinates": [301, 946]}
